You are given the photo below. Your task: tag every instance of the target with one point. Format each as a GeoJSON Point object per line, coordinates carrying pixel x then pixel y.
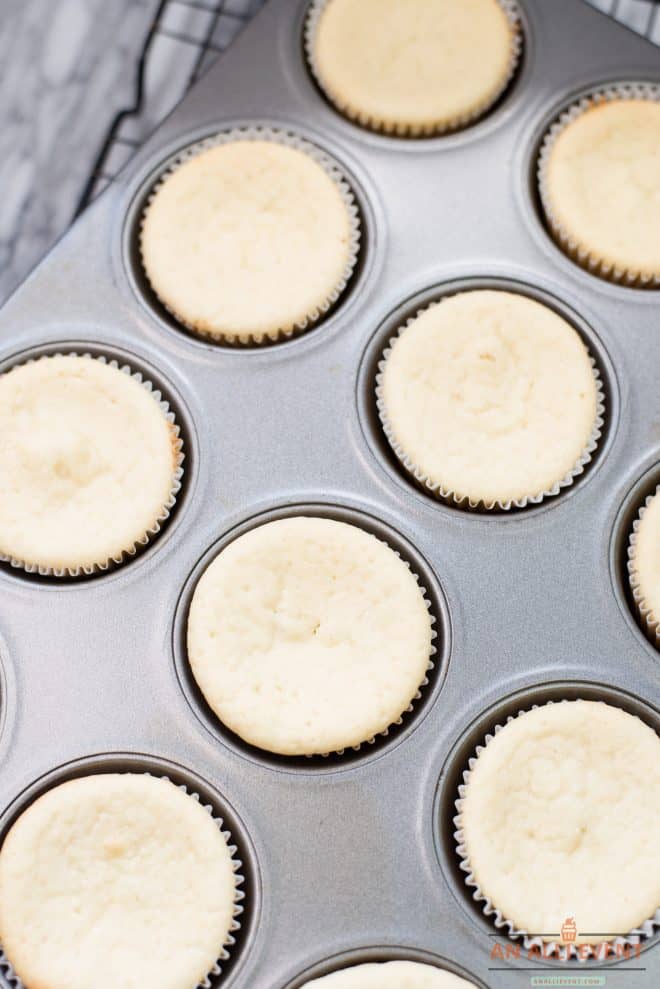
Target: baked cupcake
{"type": "Point", "coordinates": [115, 880]}
{"type": "Point", "coordinates": [413, 67]}
{"type": "Point", "coordinates": [558, 819]}
{"type": "Point", "coordinates": [599, 181]}
{"type": "Point", "coordinates": [390, 975]}
{"type": "Point", "coordinates": [307, 636]}
{"type": "Point", "coordinates": [250, 237]}
{"type": "Point", "coordinates": [91, 464]}
{"type": "Point", "coordinates": [490, 399]}
{"type": "Point", "coordinates": [644, 566]}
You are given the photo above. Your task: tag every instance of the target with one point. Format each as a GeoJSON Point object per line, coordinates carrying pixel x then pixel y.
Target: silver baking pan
{"type": "Point", "coordinates": [351, 857]}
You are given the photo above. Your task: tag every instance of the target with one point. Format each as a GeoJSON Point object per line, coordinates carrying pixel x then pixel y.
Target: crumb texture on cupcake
{"type": "Point", "coordinates": [248, 239]}
{"type": "Point", "coordinates": [490, 396]}
{"type": "Point", "coordinates": [117, 881]}
{"type": "Point", "coordinates": [412, 66]}
{"type": "Point", "coordinates": [390, 975]}
{"type": "Point", "coordinates": [560, 817]}
{"type": "Point", "coordinates": [89, 462]}
{"type": "Point", "coordinates": [600, 185]}
{"type": "Point", "coordinates": [645, 562]}
{"type": "Point", "coordinates": [308, 635]}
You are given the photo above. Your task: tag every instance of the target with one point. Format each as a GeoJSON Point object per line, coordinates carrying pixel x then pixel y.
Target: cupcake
{"type": "Point", "coordinates": [599, 181]}
{"type": "Point", "coordinates": [413, 67]}
{"type": "Point", "coordinates": [644, 566]}
{"type": "Point", "coordinates": [115, 880]}
{"type": "Point", "coordinates": [307, 636]}
{"type": "Point", "coordinates": [250, 237]}
{"type": "Point", "coordinates": [558, 820]}
{"type": "Point", "coordinates": [491, 399]}
{"type": "Point", "coordinates": [91, 464]}
{"type": "Point", "coordinates": [390, 975]}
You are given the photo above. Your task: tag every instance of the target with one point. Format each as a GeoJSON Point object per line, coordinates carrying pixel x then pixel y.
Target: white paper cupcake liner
{"type": "Point", "coordinates": [550, 949]}
{"type": "Point", "coordinates": [585, 257]}
{"type": "Point", "coordinates": [166, 510]}
{"type": "Point", "coordinates": [422, 687]}
{"type": "Point", "coordinates": [7, 970]}
{"type": "Point", "coordinates": [332, 170]}
{"type": "Point", "coordinates": [313, 17]}
{"type": "Point", "coordinates": [649, 620]}
{"type": "Point", "coordinates": [444, 493]}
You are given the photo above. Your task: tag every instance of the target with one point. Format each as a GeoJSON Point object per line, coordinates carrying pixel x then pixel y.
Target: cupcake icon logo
{"type": "Point", "coordinates": [569, 931]}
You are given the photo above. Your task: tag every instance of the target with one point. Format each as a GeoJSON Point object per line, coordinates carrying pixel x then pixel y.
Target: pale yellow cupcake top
{"type": "Point", "coordinates": [490, 396]}
{"type": "Point", "coordinates": [412, 66]}
{"type": "Point", "coordinates": [390, 975]}
{"type": "Point", "coordinates": [249, 239]}
{"type": "Point", "coordinates": [600, 183]}
{"type": "Point", "coordinates": [645, 561]}
{"type": "Point", "coordinates": [308, 635]}
{"type": "Point", "coordinates": [117, 881]}
{"type": "Point", "coordinates": [560, 818]}
{"type": "Point", "coordinates": [88, 463]}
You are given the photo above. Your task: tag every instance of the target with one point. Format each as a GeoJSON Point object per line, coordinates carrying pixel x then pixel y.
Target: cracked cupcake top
{"type": "Point", "coordinates": [115, 880]}
{"type": "Point", "coordinates": [248, 239]}
{"type": "Point", "coordinates": [308, 635]}
{"type": "Point", "coordinates": [559, 818]}
{"type": "Point", "coordinates": [89, 460]}
{"type": "Point", "coordinates": [490, 395]}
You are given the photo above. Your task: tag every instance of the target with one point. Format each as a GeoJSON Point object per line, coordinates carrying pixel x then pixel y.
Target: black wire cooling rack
{"type": "Point", "coordinates": [186, 36]}
{"type": "Point", "coordinates": [183, 39]}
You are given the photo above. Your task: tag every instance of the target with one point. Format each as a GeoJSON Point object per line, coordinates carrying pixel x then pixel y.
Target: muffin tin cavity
{"type": "Point", "coordinates": [165, 395]}
{"type": "Point", "coordinates": [586, 256]}
{"type": "Point", "coordinates": [371, 364]}
{"type": "Point", "coordinates": [397, 732]}
{"type": "Point", "coordinates": [366, 956]}
{"type": "Point", "coordinates": [249, 892]}
{"type": "Point", "coordinates": [620, 545]}
{"type": "Point", "coordinates": [377, 123]}
{"type": "Point", "coordinates": [354, 198]}
{"type": "Point", "coordinates": [464, 749]}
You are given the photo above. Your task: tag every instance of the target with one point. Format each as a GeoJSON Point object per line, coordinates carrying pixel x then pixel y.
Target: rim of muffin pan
{"type": "Point", "coordinates": [633, 501]}
{"type": "Point", "coordinates": [350, 757]}
{"type": "Point", "coordinates": [533, 192]}
{"type": "Point", "coordinates": [380, 953]}
{"type": "Point", "coordinates": [371, 425]}
{"type": "Point", "coordinates": [187, 432]}
{"type": "Point", "coordinates": [130, 237]}
{"type": "Point", "coordinates": [133, 762]}
{"type": "Point", "coordinates": [451, 777]}
{"type": "Point", "coordinates": [489, 118]}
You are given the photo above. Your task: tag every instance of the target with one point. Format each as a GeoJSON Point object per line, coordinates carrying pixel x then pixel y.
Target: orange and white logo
{"type": "Point", "coordinates": [569, 931]}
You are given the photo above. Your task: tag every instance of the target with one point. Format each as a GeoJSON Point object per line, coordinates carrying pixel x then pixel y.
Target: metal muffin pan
{"type": "Point", "coordinates": [346, 859]}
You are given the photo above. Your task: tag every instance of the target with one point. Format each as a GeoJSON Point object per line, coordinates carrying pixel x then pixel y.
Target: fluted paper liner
{"type": "Point", "coordinates": [578, 252]}
{"type": "Point", "coordinates": [341, 182]}
{"type": "Point", "coordinates": [649, 620]}
{"type": "Point", "coordinates": [551, 949]}
{"type": "Point", "coordinates": [7, 970]}
{"type": "Point", "coordinates": [398, 129]}
{"type": "Point", "coordinates": [457, 498]}
{"type": "Point", "coordinates": [166, 510]}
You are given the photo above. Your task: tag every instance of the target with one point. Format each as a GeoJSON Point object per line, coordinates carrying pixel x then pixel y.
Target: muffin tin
{"type": "Point", "coordinates": [349, 858]}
